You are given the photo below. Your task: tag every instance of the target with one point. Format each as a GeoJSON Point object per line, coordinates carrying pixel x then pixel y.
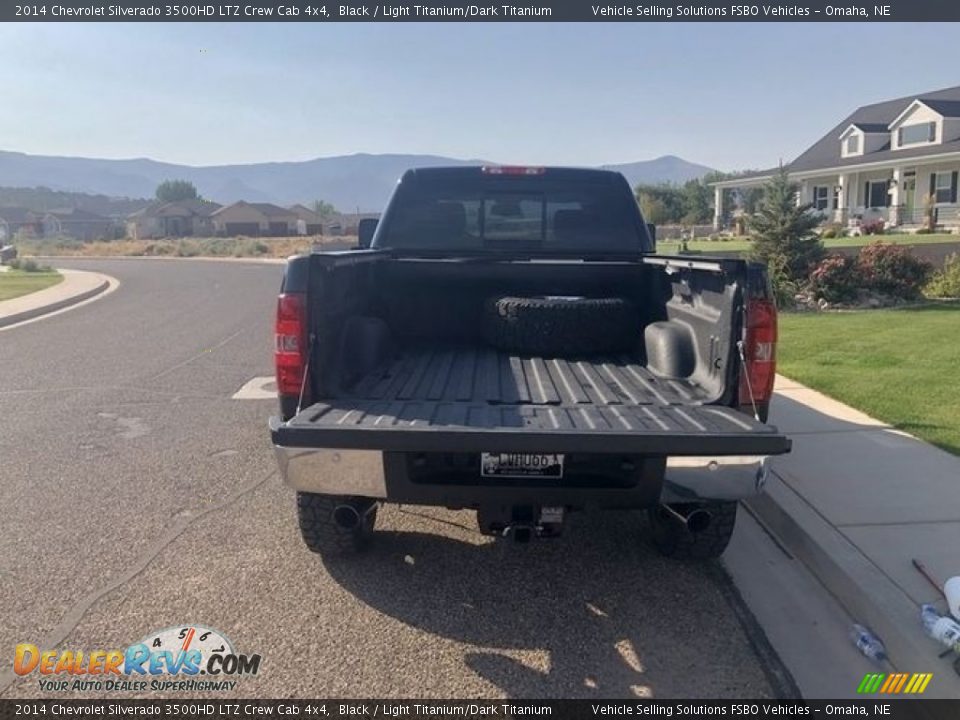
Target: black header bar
{"type": "Point", "coordinates": [515, 11]}
{"type": "Point", "coordinates": [216, 707]}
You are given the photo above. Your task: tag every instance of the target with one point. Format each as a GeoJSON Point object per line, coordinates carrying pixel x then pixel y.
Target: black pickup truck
{"type": "Point", "coordinates": [505, 340]}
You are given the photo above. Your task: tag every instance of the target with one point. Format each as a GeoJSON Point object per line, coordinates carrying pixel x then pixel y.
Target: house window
{"type": "Point", "coordinates": [944, 187]}
{"type": "Point", "coordinates": [877, 194]}
{"type": "Point", "coordinates": [853, 145]}
{"type": "Point", "coordinates": [919, 133]}
{"type": "Point", "coordinates": [821, 193]}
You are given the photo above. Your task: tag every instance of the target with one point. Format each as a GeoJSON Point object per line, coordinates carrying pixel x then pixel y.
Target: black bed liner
{"type": "Point", "coordinates": [474, 400]}
{"type": "Point", "coordinates": [488, 376]}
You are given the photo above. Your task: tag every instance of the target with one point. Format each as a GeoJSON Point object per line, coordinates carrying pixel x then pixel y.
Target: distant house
{"type": "Point", "coordinates": [77, 223]}
{"type": "Point", "coordinates": [896, 161]}
{"type": "Point", "coordinates": [183, 218]}
{"type": "Point", "coordinates": [256, 219]}
{"type": "Point", "coordinates": [308, 221]}
{"type": "Point", "coordinates": [18, 222]}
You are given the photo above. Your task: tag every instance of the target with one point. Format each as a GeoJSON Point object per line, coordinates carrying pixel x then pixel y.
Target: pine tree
{"type": "Point", "coordinates": [783, 232]}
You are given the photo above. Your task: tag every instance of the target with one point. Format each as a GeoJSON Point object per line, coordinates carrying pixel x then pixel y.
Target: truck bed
{"type": "Point", "coordinates": [463, 399]}
{"type": "Point", "coordinates": [481, 375]}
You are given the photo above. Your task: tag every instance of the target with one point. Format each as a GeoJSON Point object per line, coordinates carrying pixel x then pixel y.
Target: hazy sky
{"type": "Point", "coordinates": [727, 95]}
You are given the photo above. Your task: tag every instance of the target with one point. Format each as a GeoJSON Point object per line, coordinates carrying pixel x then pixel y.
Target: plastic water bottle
{"type": "Point", "coordinates": [943, 629]}
{"type": "Point", "coordinates": [868, 643]}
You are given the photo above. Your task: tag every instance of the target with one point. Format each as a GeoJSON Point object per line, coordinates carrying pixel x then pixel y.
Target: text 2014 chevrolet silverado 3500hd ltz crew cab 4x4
{"type": "Point", "coordinates": [506, 341]}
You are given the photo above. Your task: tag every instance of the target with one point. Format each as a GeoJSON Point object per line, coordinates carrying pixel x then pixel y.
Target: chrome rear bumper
{"type": "Point", "coordinates": [695, 479]}
{"type": "Point", "coordinates": [333, 472]}
{"type": "Point", "coordinates": [361, 473]}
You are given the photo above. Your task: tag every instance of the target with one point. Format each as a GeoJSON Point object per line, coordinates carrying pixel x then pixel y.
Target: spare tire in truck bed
{"type": "Point", "coordinates": [560, 326]}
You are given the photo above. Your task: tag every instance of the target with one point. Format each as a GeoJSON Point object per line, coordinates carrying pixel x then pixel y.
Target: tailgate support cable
{"type": "Point", "coordinates": [746, 376]}
{"type": "Point", "coordinates": [306, 373]}
{"type": "Point", "coordinates": [762, 470]}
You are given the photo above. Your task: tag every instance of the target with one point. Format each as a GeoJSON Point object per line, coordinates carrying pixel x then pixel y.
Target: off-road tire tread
{"type": "Point", "coordinates": [322, 535]}
{"type": "Point", "coordinates": [551, 327]}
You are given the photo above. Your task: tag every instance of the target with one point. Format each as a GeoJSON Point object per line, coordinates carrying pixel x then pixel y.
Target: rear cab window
{"type": "Point", "coordinates": [558, 210]}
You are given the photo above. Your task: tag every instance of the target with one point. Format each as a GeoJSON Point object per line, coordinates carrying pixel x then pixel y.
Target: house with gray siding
{"type": "Point", "coordinates": [896, 161]}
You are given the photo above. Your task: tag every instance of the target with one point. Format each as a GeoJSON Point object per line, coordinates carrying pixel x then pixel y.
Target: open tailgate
{"type": "Point", "coordinates": [442, 426]}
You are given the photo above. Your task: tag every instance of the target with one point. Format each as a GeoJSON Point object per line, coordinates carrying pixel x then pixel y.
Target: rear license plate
{"type": "Point", "coordinates": [545, 465]}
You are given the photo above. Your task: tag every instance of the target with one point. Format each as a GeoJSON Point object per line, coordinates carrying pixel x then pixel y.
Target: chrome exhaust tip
{"type": "Point", "coordinates": [699, 520]}
{"type": "Point", "coordinates": [346, 517]}
{"type": "Point", "coordinates": [351, 515]}
{"type": "Point", "coordinates": [695, 521]}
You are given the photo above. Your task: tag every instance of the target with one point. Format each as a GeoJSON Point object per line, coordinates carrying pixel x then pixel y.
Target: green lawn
{"type": "Point", "coordinates": [709, 246]}
{"type": "Point", "coordinates": [899, 366]}
{"type": "Point", "coordinates": [15, 283]}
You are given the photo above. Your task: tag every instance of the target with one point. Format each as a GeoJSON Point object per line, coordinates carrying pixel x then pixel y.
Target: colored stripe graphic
{"type": "Point", "coordinates": [903, 681]}
{"type": "Point", "coordinates": [894, 683]}
{"type": "Point", "coordinates": [919, 683]}
{"type": "Point", "coordinates": [870, 683]}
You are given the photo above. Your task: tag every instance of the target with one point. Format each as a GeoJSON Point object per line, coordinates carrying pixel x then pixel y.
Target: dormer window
{"type": "Point", "coordinates": [916, 134]}
{"type": "Point", "coordinates": [921, 123]}
{"type": "Point", "coordinates": [852, 142]}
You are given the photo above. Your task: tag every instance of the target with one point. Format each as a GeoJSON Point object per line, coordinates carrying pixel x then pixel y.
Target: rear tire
{"type": "Point", "coordinates": [672, 539]}
{"type": "Point", "coordinates": [322, 535]}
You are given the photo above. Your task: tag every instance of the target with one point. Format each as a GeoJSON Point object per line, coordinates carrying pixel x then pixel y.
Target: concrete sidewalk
{"type": "Point", "coordinates": [76, 287]}
{"type": "Point", "coordinates": [856, 500]}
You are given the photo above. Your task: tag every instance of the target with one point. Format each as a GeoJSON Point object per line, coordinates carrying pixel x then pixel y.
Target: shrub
{"type": "Point", "coordinates": [832, 230]}
{"type": "Point", "coordinates": [28, 265]}
{"type": "Point", "coordinates": [873, 227]}
{"type": "Point", "coordinates": [835, 279]}
{"type": "Point", "coordinates": [892, 269]}
{"type": "Point", "coordinates": [784, 287]}
{"type": "Point", "coordinates": [186, 248]}
{"type": "Point", "coordinates": [925, 231]}
{"type": "Point", "coordinates": [945, 283]}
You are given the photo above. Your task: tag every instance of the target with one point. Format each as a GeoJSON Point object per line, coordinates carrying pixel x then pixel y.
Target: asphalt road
{"type": "Point", "coordinates": [137, 495]}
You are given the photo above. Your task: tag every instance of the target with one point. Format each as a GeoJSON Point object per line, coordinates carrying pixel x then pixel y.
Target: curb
{"type": "Point", "coordinates": [32, 313]}
{"type": "Point", "coordinates": [158, 258]}
{"type": "Point", "coordinates": [868, 595]}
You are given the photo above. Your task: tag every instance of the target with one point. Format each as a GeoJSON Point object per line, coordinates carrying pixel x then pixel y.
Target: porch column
{"type": "Point", "coordinates": [717, 207]}
{"type": "Point", "coordinates": [895, 197]}
{"type": "Point", "coordinates": [802, 194]}
{"type": "Point", "coordinates": [840, 213]}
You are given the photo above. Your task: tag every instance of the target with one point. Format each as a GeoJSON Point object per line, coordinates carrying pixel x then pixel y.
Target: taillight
{"type": "Point", "coordinates": [760, 353]}
{"type": "Point", "coordinates": [290, 351]}
{"type": "Point", "coordinates": [511, 170]}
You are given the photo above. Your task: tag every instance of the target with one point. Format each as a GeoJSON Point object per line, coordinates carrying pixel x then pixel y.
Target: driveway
{"type": "Point", "coordinates": [138, 496]}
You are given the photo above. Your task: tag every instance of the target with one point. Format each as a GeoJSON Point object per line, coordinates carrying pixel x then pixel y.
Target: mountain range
{"type": "Point", "coordinates": [350, 182]}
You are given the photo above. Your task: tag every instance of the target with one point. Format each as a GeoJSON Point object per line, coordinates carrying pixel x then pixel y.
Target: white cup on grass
{"type": "Point", "coordinates": [951, 588]}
